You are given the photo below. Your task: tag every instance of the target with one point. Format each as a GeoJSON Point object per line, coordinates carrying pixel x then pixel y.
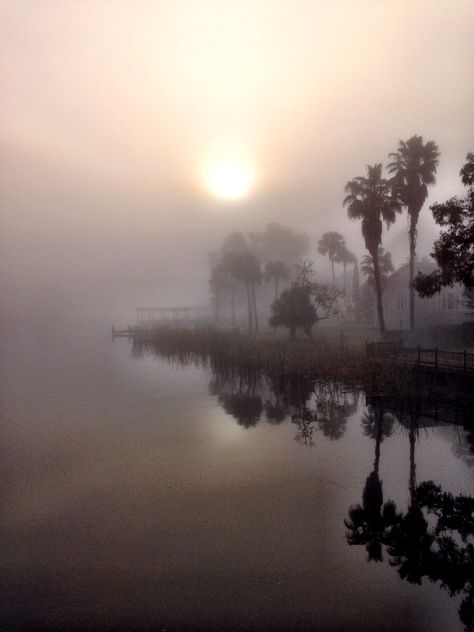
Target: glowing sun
{"type": "Point", "coordinates": [229, 179]}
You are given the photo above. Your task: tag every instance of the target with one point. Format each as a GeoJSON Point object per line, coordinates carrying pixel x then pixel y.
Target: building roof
{"type": "Point", "coordinates": [402, 274]}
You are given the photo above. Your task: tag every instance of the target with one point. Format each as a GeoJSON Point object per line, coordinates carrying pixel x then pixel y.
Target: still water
{"type": "Point", "coordinates": [139, 494]}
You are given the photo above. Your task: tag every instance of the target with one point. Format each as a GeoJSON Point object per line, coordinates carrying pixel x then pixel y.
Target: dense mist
{"type": "Point", "coordinates": [111, 111]}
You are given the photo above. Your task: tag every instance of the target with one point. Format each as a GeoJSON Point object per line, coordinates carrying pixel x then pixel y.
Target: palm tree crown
{"type": "Point", "coordinates": [331, 244]}
{"type": "Point", "coordinates": [370, 199]}
{"type": "Point", "coordinates": [413, 167]}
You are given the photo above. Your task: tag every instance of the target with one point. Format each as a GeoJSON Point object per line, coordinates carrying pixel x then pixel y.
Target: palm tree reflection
{"type": "Point", "coordinates": [334, 406]}
{"type": "Point", "coordinates": [444, 553]}
{"type": "Point", "coordinates": [372, 522]}
{"type": "Point", "coordinates": [308, 405]}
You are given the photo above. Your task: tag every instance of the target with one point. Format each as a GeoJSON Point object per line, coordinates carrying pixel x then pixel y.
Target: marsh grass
{"type": "Point", "coordinates": [232, 350]}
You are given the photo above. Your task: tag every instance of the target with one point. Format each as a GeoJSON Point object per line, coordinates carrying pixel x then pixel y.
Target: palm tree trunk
{"type": "Point", "coordinates": [412, 437]}
{"type": "Point", "coordinates": [378, 291]}
{"type": "Point", "coordinates": [255, 307]}
{"type": "Point", "coordinates": [276, 288]}
{"type": "Point", "coordinates": [249, 304]}
{"type": "Point", "coordinates": [345, 293]}
{"type": "Point", "coordinates": [333, 273]}
{"type": "Point", "coordinates": [378, 439]}
{"type": "Point", "coordinates": [232, 301]}
{"type": "Point", "coordinates": [217, 312]}
{"type": "Point", "coordinates": [412, 235]}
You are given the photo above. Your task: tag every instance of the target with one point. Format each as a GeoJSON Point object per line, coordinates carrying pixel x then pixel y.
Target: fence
{"type": "Point", "coordinates": [436, 358]}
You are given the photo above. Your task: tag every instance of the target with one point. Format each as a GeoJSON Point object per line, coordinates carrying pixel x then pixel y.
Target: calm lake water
{"type": "Point", "coordinates": [142, 495]}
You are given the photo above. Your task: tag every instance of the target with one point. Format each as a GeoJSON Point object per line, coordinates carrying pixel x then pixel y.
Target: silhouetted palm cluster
{"type": "Point", "coordinates": [374, 199]}
{"type": "Point", "coordinates": [244, 262]}
{"type": "Point", "coordinates": [275, 256]}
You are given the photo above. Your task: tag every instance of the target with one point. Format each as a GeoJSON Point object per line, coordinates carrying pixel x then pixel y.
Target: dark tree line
{"type": "Point", "coordinates": [243, 263]}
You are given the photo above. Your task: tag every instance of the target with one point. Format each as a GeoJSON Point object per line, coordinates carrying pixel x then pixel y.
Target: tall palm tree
{"type": "Point", "coordinates": [355, 282]}
{"type": "Point", "coordinates": [331, 244]}
{"type": "Point", "coordinates": [230, 264]}
{"type": "Point", "coordinates": [276, 270]}
{"type": "Point", "coordinates": [413, 167]}
{"type": "Point", "coordinates": [370, 199]}
{"type": "Point", "coordinates": [218, 284]}
{"type": "Point", "coordinates": [247, 269]}
{"type": "Point", "coordinates": [346, 257]}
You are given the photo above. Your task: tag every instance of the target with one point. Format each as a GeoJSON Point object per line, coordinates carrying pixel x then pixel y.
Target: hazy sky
{"type": "Point", "coordinates": [111, 112]}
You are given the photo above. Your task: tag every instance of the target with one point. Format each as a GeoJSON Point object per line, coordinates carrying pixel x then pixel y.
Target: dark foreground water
{"type": "Point", "coordinates": [140, 495]}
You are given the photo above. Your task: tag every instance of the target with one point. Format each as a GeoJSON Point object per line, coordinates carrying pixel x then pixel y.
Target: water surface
{"type": "Point", "coordinates": [138, 494]}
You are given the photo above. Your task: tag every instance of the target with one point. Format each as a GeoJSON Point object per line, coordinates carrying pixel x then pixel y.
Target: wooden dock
{"type": "Point", "coordinates": [150, 319]}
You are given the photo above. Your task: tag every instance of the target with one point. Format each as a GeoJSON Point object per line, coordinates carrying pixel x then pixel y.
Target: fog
{"type": "Point", "coordinates": [111, 112]}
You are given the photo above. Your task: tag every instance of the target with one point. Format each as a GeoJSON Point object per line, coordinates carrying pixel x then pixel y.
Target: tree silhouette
{"type": "Point", "coordinates": [377, 426]}
{"type": "Point", "coordinates": [230, 265]}
{"type": "Point", "coordinates": [218, 283]}
{"type": "Point", "coordinates": [276, 270]}
{"type": "Point", "coordinates": [334, 407]}
{"type": "Point", "coordinates": [371, 523]}
{"type": "Point", "coordinates": [345, 257]}
{"type": "Point", "coordinates": [294, 310]}
{"type": "Point", "coordinates": [356, 282]}
{"type": "Point", "coordinates": [454, 250]}
{"type": "Point", "coordinates": [413, 167]}
{"type": "Point", "coordinates": [296, 391]}
{"type": "Point", "coordinates": [332, 244]}
{"type": "Point", "coordinates": [370, 200]}
{"type": "Point", "coordinates": [279, 243]}
{"type": "Point", "coordinates": [410, 542]}
{"type": "Point", "coordinates": [247, 269]}
{"type": "Point", "coordinates": [246, 408]}
{"type": "Point", "coordinates": [443, 553]}
{"type": "Point", "coordinates": [235, 242]}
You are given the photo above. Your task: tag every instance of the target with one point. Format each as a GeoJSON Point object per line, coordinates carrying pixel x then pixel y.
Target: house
{"type": "Point", "coordinates": [445, 308]}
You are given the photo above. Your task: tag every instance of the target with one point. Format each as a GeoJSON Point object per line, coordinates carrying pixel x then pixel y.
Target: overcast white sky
{"type": "Point", "coordinates": [110, 112]}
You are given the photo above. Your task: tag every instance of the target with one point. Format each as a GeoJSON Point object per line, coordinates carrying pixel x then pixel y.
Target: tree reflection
{"type": "Point", "coordinates": [452, 560]}
{"type": "Point", "coordinates": [334, 405]}
{"type": "Point", "coordinates": [296, 395]}
{"type": "Point", "coordinates": [444, 553]}
{"type": "Point", "coordinates": [239, 395]}
{"type": "Point", "coordinates": [410, 545]}
{"type": "Point", "coordinates": [372, 522]}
